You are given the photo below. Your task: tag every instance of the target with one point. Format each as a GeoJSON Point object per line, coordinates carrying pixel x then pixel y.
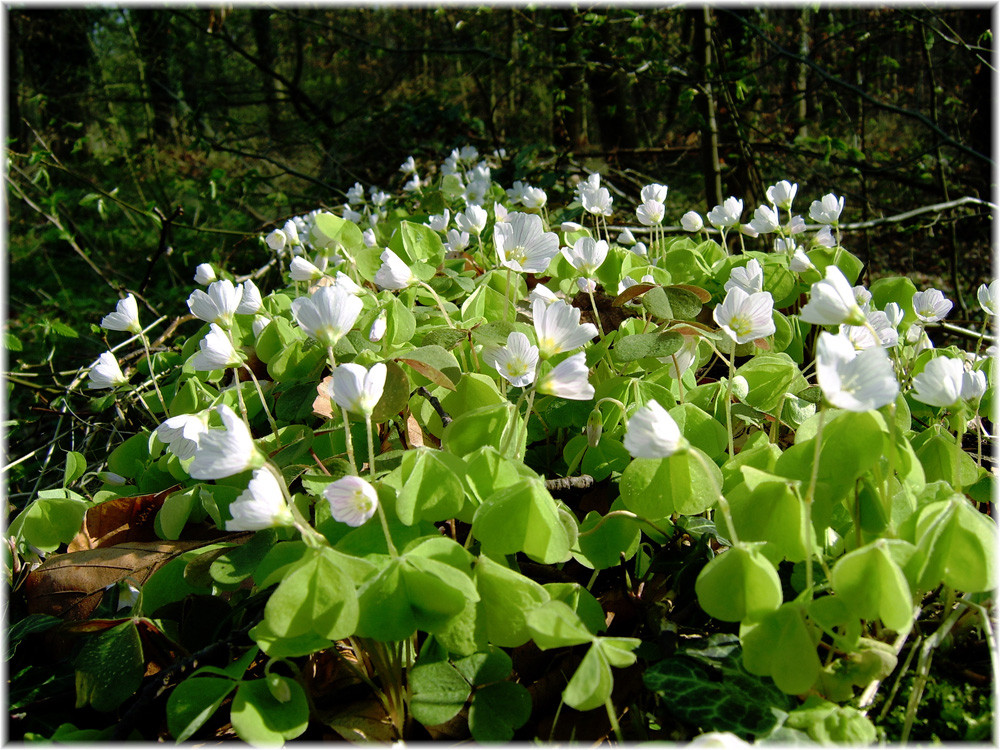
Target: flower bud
{"type": "Point", "coordinates": [377, 330]}
{"type": "Point", "coordinates": [595, 426]}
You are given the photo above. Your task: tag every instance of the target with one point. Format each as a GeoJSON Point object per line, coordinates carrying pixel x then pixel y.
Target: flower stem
{"type": "Point", "coordinates": [437, 299]}
{"type": "Point", "coordinates": [597, 315]}
{"type": "Point", "coordinates": [310, 536]}
{"type": "Point", "coordinates": [723, 503]}
{"type": "Point", "coordinates": [729, 401]}
{"type": "Point", "coordinates": [371, 447]}
{"type": "Point", "coordinates": [152, 375]}
{"type": "Point", "coordinates": [810, 495]}
{"type": "Point", "coordinates": [267, 411]}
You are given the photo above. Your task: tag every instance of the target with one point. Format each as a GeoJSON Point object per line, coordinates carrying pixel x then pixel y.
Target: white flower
{"type": "Point", "coordinates": [863, 338]}
{"type": "Point", "coordinates": [894, 314]}
{"type": "Point", "coordinates": [989, 297]}
{"type": "Point", "coordinates": [369, 238]}
{"type": "Point", "coordinates": [378, 329]}
{"type": "Point", "coordinates": [413, 184]}
{"type": "Point", "coordinates": [797, 224]}
{"type": "Point", "coordinates": [720, 741]}
{"type": "Point", "coordinates": [260, 506]}
{"type": "Point", "coordinates": [745, 317]}
{"type": "Point", "coordinates": [940, 382]}
{"type": "Point", "coordinates": [499, 212]}
{"type": "Point", "coordinates": [356, 389]}
{"type": "Point", "coordinates": [595, 200]}
{"type": "Point", "coordinates": [250, 301]}
{"type": "Point", "coordinates": [181, 433]}
{"type": "Point", "coordinates": [124, 318]}
{"type": "Point", "coordinates": [749, 230]}
{"type": "Point", "coordinates": [650, 213]}
{"type": "Point", "coordinates": [356, 194]}
{"type": "Point", "coordinates": [439, 222]}
{"type": "Point", "coordinates": [624, 238]}
{"type": "Point", "coordinates": [862, 296]}
{"type": "Point", "coordinates": [727, 214]}
{"type": "Point", "coordinates": [533, 197]}
{"type": "Point", "coordinates": [749, 278]}
{"type": "Point", "coordinates": [586, 255]}
{"type": "Point", "coordinates": [517, 360]}
{"type": "Point", "coordinates": [654, 192]}
{"type": "Point", "coordinates": [227, 451]}
{"type": "Point", "coordinates": [473, 220]}
{"type": "Point", "coordinates": [765, 220]}
{"type": "Point", "coordinates": [832, 302]}
{"type": "Point", "coordinates": [785, 245]}
{"type": "Point", "coordinates": [204, 274]}
{"type": "Point", "coordinates": [851, 379]}
{"type": "Point", "coordinates": [352, 500]}
{"type": "Point", "coordinates": [782, 193]}
{"type": "Point", "coordinates": [799, 262]}
{"type": "Point", "coordinates": [291, 232]}
{"type": "Point", "coordinates": [393, 273]}
{"type": "Point", "coordinates": [639, 248]}
{"type": "Point", "coordinates": [827, 210]}
{"type": "Point", "coordinates": [543, 293]}
{"type": "Point", "coordinates": [302, 270]}
{"type": "Point", "coordinates": [585, 285]}
{"type": "Point", "coordinates": [409, 166]}
{"type": "Point", "coordinates": [973, 385]}
{"type": "Point", "coordinates": [568, 380]}
{"type": "Point", "coordinates": [625, 283]}
{"type": "Point", "coordinates": [276, 240]}
{"type": "Point", "coordinates": [457, 241]}
{"type": "Point", "coordinates": [328, 314]}
{"type": "Point", "coordinates": [652, 433]}
{"type": "Point", "coordinates": [523, 244]}
{"type": "Point", "coordinates": [692, 221]}
{"type": "Point", "coordinates": [558, 328]}
{"type": "Point", "coordinates": [105, 373]}
{"type": "Point", "coordinates": [931, 305]}
{"type": "Point", "coordinates": [683, 358]}
{"type": "Point", "coordinates": [824, 238]}
{"type": "Point", "coordinates": [916, 334]}
{"type": "Point", "coordinates": [346, 283]}
{"type": "Point", "coordinates": [351, 215]}
{"type": "Point", "coordinates": [217, 351]}
{"type": "Point", "coordinates": [218, 305]}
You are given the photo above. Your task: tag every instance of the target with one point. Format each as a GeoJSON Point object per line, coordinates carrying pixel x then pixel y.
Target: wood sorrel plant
{"type": "Point", "coordinates": [384, 434]}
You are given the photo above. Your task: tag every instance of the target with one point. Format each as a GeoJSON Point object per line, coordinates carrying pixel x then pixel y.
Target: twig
{"type": "Point", "coordinates": [432, 400]}
{"type": "Point", "coordinates": [165, 225]}
{"type": "Point", "coordinates": [582, 482]}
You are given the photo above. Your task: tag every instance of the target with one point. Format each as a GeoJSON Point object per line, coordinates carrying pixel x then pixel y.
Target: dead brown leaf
{"type": "Point", "coordinates": [323, 405]}
{"type": "Point", "coordinates": [124, 519]}
{"type": "Point", "coordinates": [71, 585]}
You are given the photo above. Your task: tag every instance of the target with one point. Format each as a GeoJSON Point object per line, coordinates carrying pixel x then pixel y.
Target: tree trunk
{"type": "Point", "coordinates": [711, 167]}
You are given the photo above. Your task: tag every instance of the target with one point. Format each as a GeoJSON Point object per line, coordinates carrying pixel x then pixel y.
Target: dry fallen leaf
{"type": "Point", "coordinates": [71, 585]}
{"type": "Point", "coordinates": [124, 519]}
{"type": "Point", "coordinates": [323, 406]}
